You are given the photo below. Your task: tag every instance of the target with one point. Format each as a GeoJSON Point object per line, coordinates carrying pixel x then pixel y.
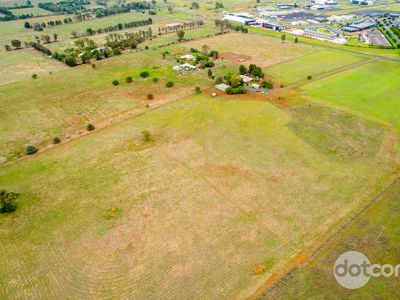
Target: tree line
{"type": "Point", "coordinates": [40, 26]}
{"type": "Point", "coordinates": [119, 26]}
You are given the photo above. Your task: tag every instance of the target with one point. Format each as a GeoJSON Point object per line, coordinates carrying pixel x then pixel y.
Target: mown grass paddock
{"type": "Point", "coordinates": [224, 187]}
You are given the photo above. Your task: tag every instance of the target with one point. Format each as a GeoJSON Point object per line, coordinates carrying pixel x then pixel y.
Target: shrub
{"type": "Point", "coordinates": [169, 84]}
{"type": "Point", "coordinates": [144, 74]}
{"type": "Point", "coordinates": [129, 79]}
{"type": "Point", "coordinates": [31, 150]}
{"type": "Point", "coordinates": [266, 84]}
{"type": "Point", "coordinates": [219, 80]}
{"type": "Point", "coordinates": [7, 201]}
{"type": "Point", "coordinates": [90, 127]}
{"type": "Point", "coordinates": [93, 66]}
{"type": "Point", "coordinates": [236, 90]}
{"type": "Point", "coordinates": [34, 76]}
{"type": "Point", "coordinates": [115, 82]}
{"type": "Point", "coordinates": [209, 64]}
{"type": "Point", "coordinates": [146, 136]}
{"type": "Point", "coordinates": [197, 90]}
{"type": "Point", "coordinates": [56, 140]}
{"type": "Point", "coordinates": [150, 96]}
{"type": "Point", "coordinates": [309, 77]}
{"type": "Point", "coordinates": [155, 79]}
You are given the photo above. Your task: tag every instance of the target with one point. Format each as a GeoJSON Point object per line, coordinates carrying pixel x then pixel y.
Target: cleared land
{"type": "Point", "coordinates": [375, 233]}
{"type": "Point", "coordinates": [69, 99]}
{"type": "Point", "coordinates": [191, 216]}
{"type": "Point", "coordinates": [245, 49]}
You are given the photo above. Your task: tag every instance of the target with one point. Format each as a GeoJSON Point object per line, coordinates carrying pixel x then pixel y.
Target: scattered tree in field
{"type": "Point", "coordinates": [169, 84]}
{"type": "Point", "coordinates": [45, 38]}
{"type": "Point", "coordinates": [56, 140]}
{"type": "Point", "coordinates": [180, 35]}
{"type": "Point", "coordinates": [90, 127]}
{"type": "Point", "coordinates": [197, 90]}
{"type": "Point", "coordinates": [155, 79]}
{"type": "Point", "coordinates": [283, 38]}
{"type": "Point", "coordinates": [309, 77]}
{"type": "Point", "coordinates": [7, 47]}
{"type": "Point", "coordinates": [55, 36]}
{"type": "Point", "coordinates": [146, 136]}
{"type": "Point", "coordinates": [170, 9]}
{"type": "Point", "coordinates": [16, 44]}
{"type": "Point", "coordinates": [93, 66]}
{"type": "Point", "coordinates": [31, 150]}
{"type": "Point", "coordinates": [195, 5]}
{"type": "Point", "coordinates": [144, 74]}
{"type": "Point", "coordinates": [129, 79]}
{"type": "Point", "coordinates": [219, 5]}
{"type": "Point", "coordinates": [27, 25]}
{"type": "Point", "coordinates": [115, 82]}
{"type": "Point", "coordinates": [150, 96]}
{"type": "Point", "coordinates": [34, 76]}
{"type": "Point", "coordinates": [7, 200]}
{"type": "Point", "coordinates": [209, 73]}
{"type": "Point", "coordinates": [296, 40]}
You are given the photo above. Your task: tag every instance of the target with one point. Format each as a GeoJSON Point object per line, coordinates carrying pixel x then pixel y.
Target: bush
{"type": "Point", "coordinates": [129, 79]}
{"type": "Point", "coordinates": [309, 77]}
{"type": "Point", "coordinates": [56, 140]}
{"type": "Point", "coordinates": [34, 76]}
{"type": "Point", "coordinates": [93, 66]}
{"type": "Point", "coordinates": [115, 82]}
{"type": "Point", "coordinates": [219, 80]}
{"type": "Point", "coordinates": [150, 96]}
{"type": "Point", "coordinates": [169, 84]}
{"type": "Point", "coordinates": [146, 136]}
{"type": "Point", "coordinates": [209, 64]}
{"type": "Point", "coordinates": [144, 74]}
{"type": "Point", "coordinates": [155, 79]}
{"type": "Point", "coordinates": [90, 127]}
{"type": "Point", "coordinates": [266, 84]}
{"type": "Point", "coordinates": [31, 150]}
{"type": "Point", "coordinates": [197, 90]}
{"type": "Point", "coordinates": [236, 90]}
{"type": "Point", "coordinates": [7, 201]}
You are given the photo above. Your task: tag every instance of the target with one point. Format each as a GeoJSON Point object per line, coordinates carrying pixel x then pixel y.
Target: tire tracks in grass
{"type": "Point", "coordinates": [323, 241]}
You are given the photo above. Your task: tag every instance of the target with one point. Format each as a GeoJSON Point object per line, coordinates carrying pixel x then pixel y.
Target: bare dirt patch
{"type": "Point", "coordinates": [235, 57]}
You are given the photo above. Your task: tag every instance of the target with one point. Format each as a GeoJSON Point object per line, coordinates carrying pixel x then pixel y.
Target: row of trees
{"type": "Point", "coordinates": [123, 8]}
{"type": "Point", "coordinates": [120, 26]}
{"type": "Point", "coordinates": [180, 27]}
{"type": "Point", "coordinates": [17, 44]}
{"type": "Point", "coordinates": [40, 26]}
{"type": "Point", "coordinates": [7, 15]}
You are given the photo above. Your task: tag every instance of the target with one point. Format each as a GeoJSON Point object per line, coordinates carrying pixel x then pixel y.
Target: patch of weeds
{"type": "Point", "coordinates": [111, 213]}
{"type": "Point", "coordinates": [247, 219]}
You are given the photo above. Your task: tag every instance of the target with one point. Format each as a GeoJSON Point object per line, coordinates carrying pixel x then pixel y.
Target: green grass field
{"type": "Point", "coordinates": [371, 89]}
{"type": "Point", "coordinates": [298, 69]}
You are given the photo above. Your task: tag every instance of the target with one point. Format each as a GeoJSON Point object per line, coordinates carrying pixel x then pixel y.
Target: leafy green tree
{"type": "Point", "coordinates": [144, 74]}
{"type": "Point", "coordinates": [197, 90]}
{"type": "Point", "coordinates": [56, 140]}
{"type": "Point", "coordinates": [16, 43]}
{"type": "Point", "coordinates": [115, 82]}
{"type": "Point", "coordinates": [296, 40]}
{"type": "Point", "coordinates": [195, 5]}
{"type": "Point", "coordinates": [31, 150]}
{"type": "Point", "coordinates": [34, 76]}
{"type": "Point", "coordinates": [169, 84]}
{"type": "Point", "coordinates": [7, 200]}
{"type": "Point", "coordinates": [90, 127]}
{"type": "Point", "coordinates": [180, 35]}
{"type": "Point", "coordinates": [129, 79]}
{"type": "Point", "coordinates": [155, 79]}
{"type": "Point", "coordinates": [150, 96]}
{"type": "Point", "coordinates": [283, 38]}
{"type": "Point", "coordinates": [242, 70]}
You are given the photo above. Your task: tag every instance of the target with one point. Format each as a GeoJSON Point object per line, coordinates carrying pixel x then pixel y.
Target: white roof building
{"type": "Point", "coordinates": [246, 79]}
{"type": "Point", "coordinates": [188, 57]}
{"type": "Point", "coordinates": [222, 87]}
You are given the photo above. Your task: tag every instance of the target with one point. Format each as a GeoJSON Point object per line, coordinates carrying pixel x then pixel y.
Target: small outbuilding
{"type": "Point", "coordinates": [246, 79]}
{"type": "Point", "coordinates": [222, 87]}
{"type": "Point", "coordinates": [187, 57]}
